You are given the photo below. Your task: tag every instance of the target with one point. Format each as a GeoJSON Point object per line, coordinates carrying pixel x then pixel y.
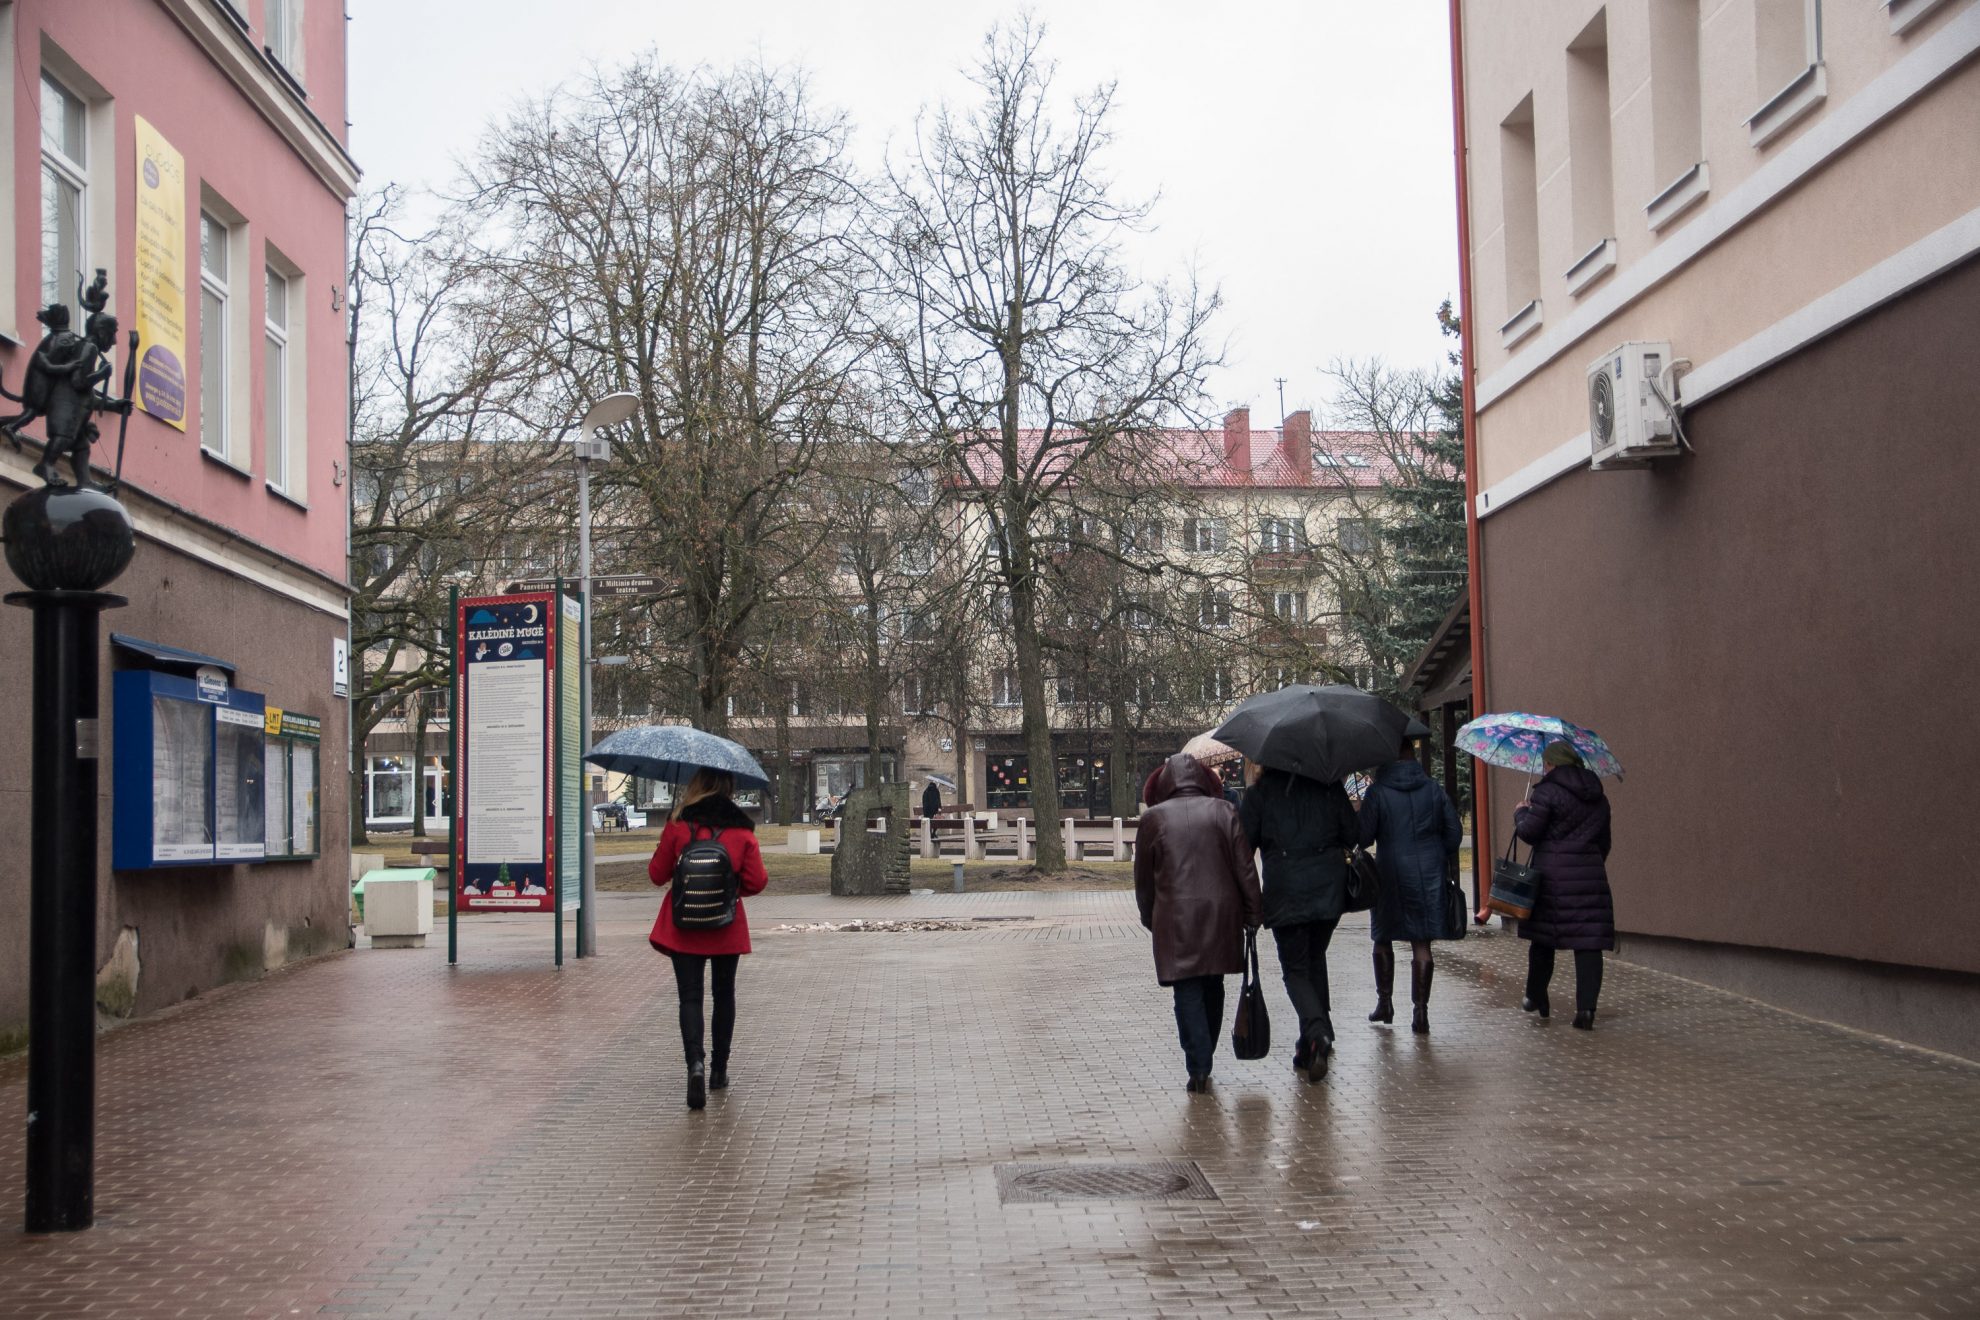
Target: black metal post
{"type": "Point", "coordinates": [61, 1135]}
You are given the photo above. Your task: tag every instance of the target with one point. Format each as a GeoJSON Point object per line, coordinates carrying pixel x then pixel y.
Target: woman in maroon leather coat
{"type": "Point", "coordinates": [1198, 893]}
{"type": "Point", "coordinates": [1566, 818]}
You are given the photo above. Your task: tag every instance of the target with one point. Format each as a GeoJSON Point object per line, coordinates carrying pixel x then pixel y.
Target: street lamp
{"type": "Point", "coordinates": [593, 444]}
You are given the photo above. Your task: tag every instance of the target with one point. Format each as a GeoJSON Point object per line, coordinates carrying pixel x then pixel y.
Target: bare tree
{"type": "Point", "coordinates": [687, 237]}
{"type": "Point", "coordinates": [1031, 355]}
{"type": "Point", "coordinates": [441, 475]}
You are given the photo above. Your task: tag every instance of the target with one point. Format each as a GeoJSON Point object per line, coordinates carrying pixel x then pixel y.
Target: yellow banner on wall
{"type": "Point", "coordinates": [161, 277]}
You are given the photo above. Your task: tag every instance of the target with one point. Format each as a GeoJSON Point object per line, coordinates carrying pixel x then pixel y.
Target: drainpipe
{"type": "Point", "coordinates": [1481, 818]}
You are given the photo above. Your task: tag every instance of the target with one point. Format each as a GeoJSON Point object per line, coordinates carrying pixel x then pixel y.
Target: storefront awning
{"type": "Point", "coordinates": [171, 656]}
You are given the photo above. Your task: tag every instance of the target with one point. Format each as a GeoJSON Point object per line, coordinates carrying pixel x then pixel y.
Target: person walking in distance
{"type": "Point", "coordinates": [706, 810]}
{"type": "Point", "coordinates": [1408, 819]}
{"type": "Point", "coordinates": [1197, 890]}
{"type": "Point", "coordinates": [1303, 828]}
{"type": "Point", "coordinates": [1565, 817]}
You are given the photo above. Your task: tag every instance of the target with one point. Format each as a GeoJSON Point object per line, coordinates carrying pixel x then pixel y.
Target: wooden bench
{"type": "Point", "coordinates": [437, 853]}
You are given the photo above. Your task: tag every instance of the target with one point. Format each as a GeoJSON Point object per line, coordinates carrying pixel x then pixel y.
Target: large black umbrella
{"type": "Point", "coordinates": [1324, 733]}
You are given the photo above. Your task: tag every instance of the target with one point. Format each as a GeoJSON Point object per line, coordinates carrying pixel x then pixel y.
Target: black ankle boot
{"type": "Point", "coordinates": [697, 1085]}
{"type": "Point", "coordinates": [1584, 1019]}
{"type": "Point", "coordinates": [1385, 984]}
{"type": "Point", "coordinates": [1534, 1004]}
{"type": "Point", "coordinates": [1419, 997]}
{"type": "Point", "coordinates": [1316, 1058]}
{"type": "Point", "coordinates": [718, 1077]}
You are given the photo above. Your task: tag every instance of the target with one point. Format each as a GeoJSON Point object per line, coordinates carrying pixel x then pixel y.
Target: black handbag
{"type": "Point", "coordinates": [1514, 884]}
{"type": "Point", "coordinates": [1457, 912]}
{"type": "Point", "coordinates": [1251, 1033]}
{"type": "Point", "coordinates": [1364, 880]}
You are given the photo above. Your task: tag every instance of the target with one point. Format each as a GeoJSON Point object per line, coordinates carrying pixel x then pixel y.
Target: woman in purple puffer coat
{"type": "Point", "coordinates": [1566, 818]}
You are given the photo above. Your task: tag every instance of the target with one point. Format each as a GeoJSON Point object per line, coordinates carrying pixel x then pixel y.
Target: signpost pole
{"type": "Point", "coordinates": [553, 870]}
{"type": "Point", "coordinates": [456, 777]}
{"type": "Point", "coordinates": [587, 921]}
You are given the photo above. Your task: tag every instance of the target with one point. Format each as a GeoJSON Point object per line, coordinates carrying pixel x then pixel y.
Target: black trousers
{"type": "Point", "coordinates": [687, 979]}
{"type": "Point", "coordinates": [1303, 960]}
{"type": "Point", "coordinates": [1199, 1019]}
{"type": "Point", "coordinates": [1587, 973]}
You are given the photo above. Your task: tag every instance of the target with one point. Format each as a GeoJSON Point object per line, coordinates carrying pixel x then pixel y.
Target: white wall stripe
{"type": "Point", "coordinates": [1839, 126]}
{"type": "Point", "coordinates": [1888, 279]}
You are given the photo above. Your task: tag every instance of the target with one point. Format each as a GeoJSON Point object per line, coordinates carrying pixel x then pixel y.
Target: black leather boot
{"type": "Point", "coordinates": [718, 1077]}
{"type": "Point", "coordinates": [1419, 996]}
{"type": "Point", "coordinates": [1385, 984]}
{"type": "Point", "coordinates": [697, 1085]}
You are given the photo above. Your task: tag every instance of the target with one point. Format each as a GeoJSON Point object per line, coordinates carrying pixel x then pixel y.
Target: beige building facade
{"type": "Point", "coordinates": [1786, 193]}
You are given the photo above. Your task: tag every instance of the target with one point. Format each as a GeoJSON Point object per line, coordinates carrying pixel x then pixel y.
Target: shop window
{"type": "Point", "coordinates": [1008, 780]}
{"type": "Point", "coordinates": [293, 759]}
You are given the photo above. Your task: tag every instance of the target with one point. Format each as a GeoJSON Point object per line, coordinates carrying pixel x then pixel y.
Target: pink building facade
{"type": "Point", "coordinates": [195, 152]}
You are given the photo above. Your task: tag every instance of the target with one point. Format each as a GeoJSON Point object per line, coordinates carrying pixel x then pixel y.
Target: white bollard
{"type": "Point", "coordinates": [972, 850]}
{"type": "Point", "coordinates": [1023, 839]}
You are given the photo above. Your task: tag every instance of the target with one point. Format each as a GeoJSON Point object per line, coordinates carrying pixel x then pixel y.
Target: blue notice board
{"type": "Point", "coordinates": [188, 773]}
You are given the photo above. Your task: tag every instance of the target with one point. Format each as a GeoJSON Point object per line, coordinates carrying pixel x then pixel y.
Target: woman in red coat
{"type": "Point", "coordinates": [705, 810]}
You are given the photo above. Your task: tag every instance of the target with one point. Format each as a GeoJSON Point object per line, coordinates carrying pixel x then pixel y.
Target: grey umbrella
{"type": "Point", "coordinates": [673, 752]}
{"type": "Point", "coordinates": [1324, 733]}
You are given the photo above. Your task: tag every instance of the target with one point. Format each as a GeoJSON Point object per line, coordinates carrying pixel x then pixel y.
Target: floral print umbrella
{"type": "Point", "coordinates": [1518, 741]}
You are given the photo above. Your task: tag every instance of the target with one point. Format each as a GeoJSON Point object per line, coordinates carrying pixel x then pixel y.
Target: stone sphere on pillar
{"type": "Point", "coordinates": [67, 538]}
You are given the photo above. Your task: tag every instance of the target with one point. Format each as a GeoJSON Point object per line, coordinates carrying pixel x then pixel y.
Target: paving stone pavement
{"type": "Point", "coordinates": [374, 1134]}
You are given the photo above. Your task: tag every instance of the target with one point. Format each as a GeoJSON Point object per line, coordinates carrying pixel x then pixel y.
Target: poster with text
{"type": "Point", "coordinates": [504, 836]}
{"type": "Point", "coordinates": [161, 277]}
{"type": "Point", "coordinates": [570, 761]}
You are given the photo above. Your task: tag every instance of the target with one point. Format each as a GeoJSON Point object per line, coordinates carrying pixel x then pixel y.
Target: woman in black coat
{"type": "Point", "coordinates": [1566, 818]}
{"type": "Point", "coordinates": [1304, 828]}
{"type": "Point", "coordinates": [1409, 820]}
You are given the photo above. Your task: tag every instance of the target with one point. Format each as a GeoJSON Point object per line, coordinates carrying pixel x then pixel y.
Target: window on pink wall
{"type": "Point", "coordinates": [214, 352]}
{"type": "Point", "coordinates": [275, 381]}
{"type": "Point", "coordinates": [282, 29]}
{"type": "Point", "coordinates": [64, 192]}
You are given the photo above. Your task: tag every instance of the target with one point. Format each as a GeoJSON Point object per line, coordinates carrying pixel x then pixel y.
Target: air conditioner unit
{"type": "Point", "coordinates": [1628, 422]}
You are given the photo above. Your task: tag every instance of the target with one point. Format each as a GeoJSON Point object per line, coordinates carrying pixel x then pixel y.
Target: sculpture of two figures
{"type": "Point", "coordinates": [66, 382]}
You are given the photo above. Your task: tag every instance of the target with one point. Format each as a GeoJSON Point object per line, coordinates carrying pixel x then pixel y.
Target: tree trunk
{"type": "Point", "coordinates": [785, 813]}
{"type": "Point", "coordinates": [876, 698]}
{"type": "Point", "coordinates": [1126, 784]}
{"type": "Point", "coordinates": [419, 765]}
{"type": "Point", "coordinates": [1037, 725]}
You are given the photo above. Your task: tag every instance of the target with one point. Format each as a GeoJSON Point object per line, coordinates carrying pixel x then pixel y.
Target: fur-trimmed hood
{"type": "Point", "coordinates": [717, 813]}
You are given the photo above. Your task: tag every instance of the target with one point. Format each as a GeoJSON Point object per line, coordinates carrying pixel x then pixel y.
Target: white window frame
{"type": "Point", "coordinates": [1006, 691]}
{"type": "Point", "coordinates": [219, 347]}
{"type": "Point", "coordinates": [282, 32]}
{"type": "Point", "coordinates": [1289, 606]}
{"type": "Point", "coordinates": [74, 173]}
{"type": "Point", "coordinates": [1204, 536]}
{"type": "Point", "coordinates": [289, 335]}
{"type": "Point", "coordinates": [275, 376]}
{"type": "Point", "coordinates": [1218, 684]}
{"type": "Point", "coordinates": [1214, 609]}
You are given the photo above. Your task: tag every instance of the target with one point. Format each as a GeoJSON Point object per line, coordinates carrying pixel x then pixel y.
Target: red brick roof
{"type": "Point", "coordinates": [1341, 459]}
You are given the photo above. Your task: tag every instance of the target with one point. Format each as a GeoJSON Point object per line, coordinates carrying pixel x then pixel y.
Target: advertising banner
{"type": "Point", "coordinates": [161, 277]}
{"type": "Point", "coordinates": [505, 833]}
{"type": "Point", "coordinates": [570, 760]}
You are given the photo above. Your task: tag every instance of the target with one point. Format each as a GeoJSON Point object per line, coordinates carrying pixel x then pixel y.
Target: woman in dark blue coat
{"type": "Point", "coordinates": [1566, 818]}
{"type": "Point", "coordinates": [1409, 820]}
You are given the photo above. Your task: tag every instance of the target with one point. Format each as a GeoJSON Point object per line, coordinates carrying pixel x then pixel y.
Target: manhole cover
{"type": "Point", "coordinates": [1157, 1180]}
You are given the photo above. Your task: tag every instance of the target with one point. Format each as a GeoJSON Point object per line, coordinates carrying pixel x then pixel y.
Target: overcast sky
{"type": "Point", "coordinates": [1300, 148]}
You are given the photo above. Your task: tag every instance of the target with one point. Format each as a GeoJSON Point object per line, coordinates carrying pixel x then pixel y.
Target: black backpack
{"type": "Point", "coordinates": [705, 885]}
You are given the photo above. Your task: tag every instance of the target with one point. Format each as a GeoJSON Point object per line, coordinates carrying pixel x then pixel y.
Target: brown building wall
{"type": "Point", "coordinates": [1778, 635]}
{"type": "Point", "coordinates": [198, 927]}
